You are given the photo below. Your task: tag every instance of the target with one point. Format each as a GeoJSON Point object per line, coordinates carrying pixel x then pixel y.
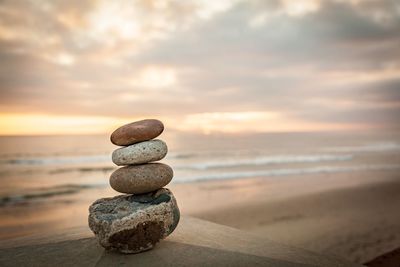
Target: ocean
{"type": "Point", "coordinates": [42, 168]}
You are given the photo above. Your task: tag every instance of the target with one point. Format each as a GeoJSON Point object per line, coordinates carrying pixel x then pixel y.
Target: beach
{"type": "Point", "coordinates": [343, 202]}
{"type": "Point", "coordinates": [356, 220]}
{"type": "Point", "coordinates": [229, 128]}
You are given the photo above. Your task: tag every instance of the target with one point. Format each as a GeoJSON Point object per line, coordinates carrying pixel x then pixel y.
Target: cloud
{"type": "Point", "coordinates": [314, 61]}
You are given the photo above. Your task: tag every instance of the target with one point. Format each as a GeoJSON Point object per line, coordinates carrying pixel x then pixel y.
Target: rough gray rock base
{"type": "Point", "coordinates": [134, 223]}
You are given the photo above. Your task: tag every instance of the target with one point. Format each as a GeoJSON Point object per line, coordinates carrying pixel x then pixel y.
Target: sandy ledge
{"type": "Point", "coordinates": [194, 243]}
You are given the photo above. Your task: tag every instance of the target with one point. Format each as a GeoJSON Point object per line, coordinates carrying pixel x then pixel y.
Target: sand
{"type": "Point", "coordinates": [351, 215]}
{"type": "Point", "coordinates": [355, 216]}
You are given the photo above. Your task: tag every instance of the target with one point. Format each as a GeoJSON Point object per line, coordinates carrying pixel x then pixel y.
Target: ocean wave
{"type": "Point", "coordinates": [58, 160]}
{"type": "Point", "coordinates": [67, 189]}
{"type": "Point", "coordinates": [78, 159]}
{"type": "Point", "coordinates": [84, 169]}
{"type": "Point", "coordinates": [182, 155]}
{"type": "Point", "coordinates": [286, 172]}
{"type": "Point", "coordinates": [372, 147]}
{"type": "Point", "coordinates": [266, 160]}
{"type": "Point", "coordinates": [40, 193]}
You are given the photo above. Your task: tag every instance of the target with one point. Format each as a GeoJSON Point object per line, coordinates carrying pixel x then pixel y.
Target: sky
{"type": "Point", "coordinates": [87, 66]}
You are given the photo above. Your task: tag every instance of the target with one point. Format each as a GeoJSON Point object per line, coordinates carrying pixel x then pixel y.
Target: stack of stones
{"type": "Point", "coordinates": [147, 212]}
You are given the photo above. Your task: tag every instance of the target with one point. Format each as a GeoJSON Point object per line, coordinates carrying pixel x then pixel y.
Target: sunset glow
{"type": "Point", "coordinates": [204, 66]}
{"type": "Point", "coordinates": [206, 123]}
{"type": "Point", "coordinates": [34, 124]}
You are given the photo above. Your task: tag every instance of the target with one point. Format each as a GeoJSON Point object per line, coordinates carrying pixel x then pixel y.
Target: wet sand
{"type": "Point", "coordinates": [351, 215]}
{"type": "Point", "coordinates": [359, 231]}
{"type": "Point", "coordinates": [357, 222]}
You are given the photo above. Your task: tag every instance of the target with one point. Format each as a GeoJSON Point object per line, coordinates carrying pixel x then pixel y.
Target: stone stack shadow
{"type": "Point", "coordinates": [147, 212]}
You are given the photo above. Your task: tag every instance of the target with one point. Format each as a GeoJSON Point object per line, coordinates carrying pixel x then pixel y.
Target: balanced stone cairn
{"type": "Point", "coordinates": [147, 212]}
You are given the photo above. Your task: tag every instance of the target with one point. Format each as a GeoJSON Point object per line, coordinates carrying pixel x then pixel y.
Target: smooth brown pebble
{"type": "Point", "coordinates": [137, 131]}
{"type": "Point", "coordinates": [139, 179]}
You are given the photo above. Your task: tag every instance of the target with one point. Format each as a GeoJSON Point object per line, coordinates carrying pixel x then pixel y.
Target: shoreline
{"type": "Point", "coordinates": [350, 215]}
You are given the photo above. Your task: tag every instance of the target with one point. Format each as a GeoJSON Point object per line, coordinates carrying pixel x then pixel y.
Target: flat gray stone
{"type": "Point", "coordinates": [139, 179]}
{"type": "Point", "coordinates": [137, 131]}
{"type": "Point", "coordinates": [134, 223]}
{"type": "Point", "coordinates": [143, 152]}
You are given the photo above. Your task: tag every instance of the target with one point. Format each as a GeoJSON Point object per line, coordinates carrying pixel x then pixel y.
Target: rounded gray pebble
{"type": "Point", "coordinates": [140, 153]}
